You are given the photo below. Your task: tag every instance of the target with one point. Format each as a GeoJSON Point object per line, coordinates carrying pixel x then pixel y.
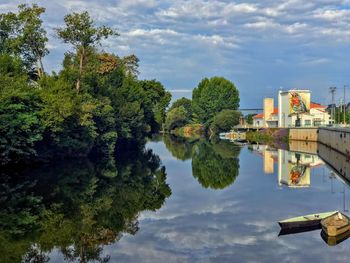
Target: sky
{"type": "Point", "coordinates": [261, 46]}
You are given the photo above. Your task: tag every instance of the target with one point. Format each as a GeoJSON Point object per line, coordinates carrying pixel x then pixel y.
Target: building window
{"type": "Point", "coordinates": [307, 122]}
{"type": "Point", "coordinates": [317, 123]}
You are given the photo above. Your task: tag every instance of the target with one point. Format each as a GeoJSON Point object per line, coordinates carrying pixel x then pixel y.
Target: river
{"type": "Point", "coordinates": [173, 201]}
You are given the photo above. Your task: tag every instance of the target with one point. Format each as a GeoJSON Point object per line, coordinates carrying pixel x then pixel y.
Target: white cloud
{"type": "Point", "coordinates": [178, 38]}
{"type": "Point", "coordinates": [332, 14]}
{"type": "Point", "coordinates": [180, 90]}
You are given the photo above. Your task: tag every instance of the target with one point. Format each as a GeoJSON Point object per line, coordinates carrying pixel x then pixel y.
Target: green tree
{"type": "Point", "coordinates": [186, 103]}
{"type": "Point", "coordinates": [249, 119]}
{"type": "Point", "coordinates": [23, 34]}
{"type": "Point", "coordinates": [155, 103]}
{"type": "Point", "coordinates": [176, 118]}
{"type": "Point", "coordinates": [225, 120]}
{"type": "Point", "coordinates": [212, 96]}
{"type": "Point", "coordinates": [20, 124]}
{"type": "Point", "coordinates": [81, 32]}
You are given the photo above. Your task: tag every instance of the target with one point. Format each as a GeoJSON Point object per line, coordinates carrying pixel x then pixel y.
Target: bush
{"type": "Point", "coordinates": [176, 117]}
{"type": "Point", "coordinates": [225, 120]}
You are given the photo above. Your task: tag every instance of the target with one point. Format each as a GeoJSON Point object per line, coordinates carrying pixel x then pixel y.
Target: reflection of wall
{"type": "Point", "coordinates": [302, 146]}
{"type": "Point", "coordinates": [336, 138]}
{"type": "Point", "coordinates": [268, 162]}
{"type": "Point", "coordinates": [339, 162]}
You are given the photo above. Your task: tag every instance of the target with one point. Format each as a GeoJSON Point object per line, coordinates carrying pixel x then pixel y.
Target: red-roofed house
{"type": "Point", "coordinates": [294, 109]}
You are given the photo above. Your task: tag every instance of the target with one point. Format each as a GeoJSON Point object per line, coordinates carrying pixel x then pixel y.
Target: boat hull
{"type": "Point", "coordinates": [300, 224]}
{"type": "Point", "coordinates": [297, 230]}
{"type": "Point", "coordinates": [307, 221]}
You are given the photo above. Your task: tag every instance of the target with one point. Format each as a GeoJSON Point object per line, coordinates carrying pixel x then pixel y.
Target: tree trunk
{"type": "Point", "coordinates": [38, 70]}
{"type": "Point", "coordinates": [41, 67]}
{"type": "Point", "coordinates": [80, 68]}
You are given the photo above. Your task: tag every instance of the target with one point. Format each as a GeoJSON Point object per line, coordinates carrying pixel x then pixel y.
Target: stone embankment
{"type": "Point", "coordinates": [337, 139]}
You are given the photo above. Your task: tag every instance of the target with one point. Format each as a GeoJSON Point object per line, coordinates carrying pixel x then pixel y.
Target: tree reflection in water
{"type": "Point", "coordinates": [77, 207]}
{"type": "Point", "coordinates": [215, 163]}
{"type": "Point", "coordinates": [180, 148]}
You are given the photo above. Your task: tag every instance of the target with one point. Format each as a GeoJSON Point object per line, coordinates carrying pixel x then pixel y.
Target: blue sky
{"type": "Point", "coordinates": [261, 46]}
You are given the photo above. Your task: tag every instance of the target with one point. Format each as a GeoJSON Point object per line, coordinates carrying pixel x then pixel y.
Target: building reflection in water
{"type": "Point", "coordinates": [294, 166]}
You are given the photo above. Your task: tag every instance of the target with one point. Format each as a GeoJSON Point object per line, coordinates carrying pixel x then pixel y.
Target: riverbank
{"type": "Point", "coordinates": [276, 137]}
{"type": "Point", "coordinates": [190, 131]}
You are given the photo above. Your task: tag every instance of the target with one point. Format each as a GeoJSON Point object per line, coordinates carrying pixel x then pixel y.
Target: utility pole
{"type": "Point", "coordinates": [344, 104]}
{"type": "Point", "coordinates": [332, 90]}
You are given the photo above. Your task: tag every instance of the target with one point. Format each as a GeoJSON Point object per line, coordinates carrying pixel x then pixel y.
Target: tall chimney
{"type": "Point", "coordinates": [268, 108]}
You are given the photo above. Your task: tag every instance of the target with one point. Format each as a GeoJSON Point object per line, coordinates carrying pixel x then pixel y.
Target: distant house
{"type": "Point", "coordinates": [294, 109]}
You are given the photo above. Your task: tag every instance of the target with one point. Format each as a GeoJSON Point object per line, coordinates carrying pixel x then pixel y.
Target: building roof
{"type": "Point", "coordinates": [275, 111]}
{"type": "Point", "coordinates": [258, 116]}
{"type": "Point", "coordinates": [313, 105]}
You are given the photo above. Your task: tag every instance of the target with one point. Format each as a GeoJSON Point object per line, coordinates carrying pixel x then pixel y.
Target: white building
{"type": "Point", "coordinates": [294, 109]}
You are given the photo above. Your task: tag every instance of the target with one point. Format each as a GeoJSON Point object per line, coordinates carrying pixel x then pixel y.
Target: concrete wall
{"type": "Point", "coordinates": [304, 134]}
{"type": "Point", "coordinates": [335, 138]}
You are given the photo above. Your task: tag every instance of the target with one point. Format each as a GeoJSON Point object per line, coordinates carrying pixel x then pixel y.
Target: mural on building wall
{"type": "Point", "coordinates": [299, 103]}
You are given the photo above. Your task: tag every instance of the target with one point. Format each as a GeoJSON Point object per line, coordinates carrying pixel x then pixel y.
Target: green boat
{"type": "Point", "coordinates": [311, 220]}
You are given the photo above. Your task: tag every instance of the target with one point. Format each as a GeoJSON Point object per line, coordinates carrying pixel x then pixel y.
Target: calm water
{"type": "Point", "coordinates": [174, 201]}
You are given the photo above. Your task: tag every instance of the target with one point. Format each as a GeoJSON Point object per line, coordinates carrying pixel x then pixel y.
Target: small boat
{"type": "Point", "coordinates": [305, 221]}
{"type": "Point", "coordinates": [336, 224]}
{"type": "Point", "coordinates": [333, 241]}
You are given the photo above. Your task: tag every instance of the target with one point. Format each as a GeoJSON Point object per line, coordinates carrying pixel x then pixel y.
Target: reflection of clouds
{"type": "Point", "coordinates": [231, 206]}
{"type": "Point", "coordinates": [260, 225]}
{"type": "Point", "coordinates": [238, 224]}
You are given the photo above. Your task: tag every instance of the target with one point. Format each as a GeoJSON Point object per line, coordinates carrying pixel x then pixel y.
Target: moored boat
{"type": "Point", "coordinates": [306, 220]}
{"type": "Point", "coordinates": [336, 224]}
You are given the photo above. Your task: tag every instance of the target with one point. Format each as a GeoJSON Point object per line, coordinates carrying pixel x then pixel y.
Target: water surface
{"type": "Point", "coordinates": [175, 201]}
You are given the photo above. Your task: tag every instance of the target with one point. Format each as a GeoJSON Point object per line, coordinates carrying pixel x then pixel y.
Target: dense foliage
{"type": "Point", "coordinates": [212, 96]}
{"type": "Point", "coordinates": [187, 104]}
{"type": "Point", "coordinates": [225, 120]}
{"type": "Point", "coordinates": [176, 117]}
{"type": "Point", "coordinates": [95, 100]}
